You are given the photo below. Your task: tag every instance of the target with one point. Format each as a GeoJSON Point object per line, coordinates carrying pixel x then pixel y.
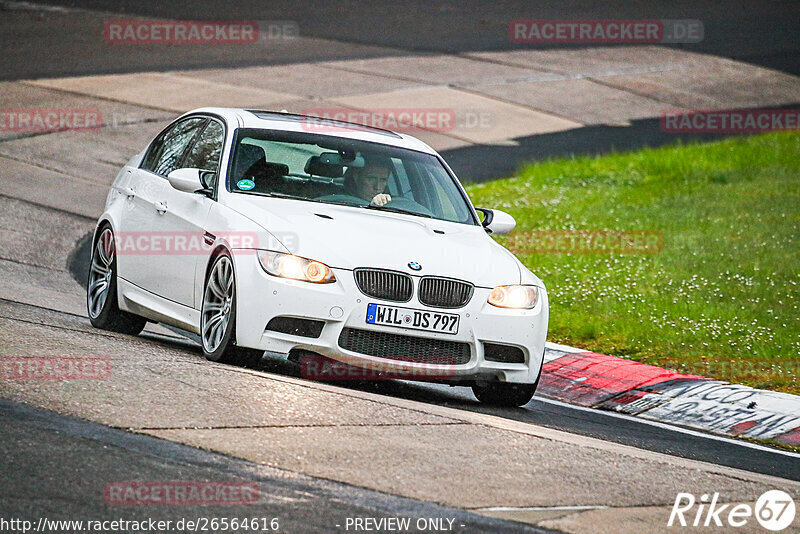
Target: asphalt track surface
{"type": "Point", "coordinates": [588, 422]}
{"type": "Point", "coordinates": [763, 33]}
{"type": "Point", "coordinates": [55, 467]}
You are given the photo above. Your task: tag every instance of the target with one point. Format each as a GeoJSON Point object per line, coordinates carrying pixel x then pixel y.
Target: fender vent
{"type": "Point", "coordinates": [296, 326]}
{"type": "Point", "coordinates": [495, 352]}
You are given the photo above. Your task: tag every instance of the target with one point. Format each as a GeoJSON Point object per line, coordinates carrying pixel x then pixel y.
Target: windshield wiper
{"type": "Point", "coordinates": [319, 200]}
{"type": "Point", "coordinates": [286, 195]}
{"type": "Point", "coordinates": [398, 210]}
{"type": "Point", "coordinates": [345, 203]}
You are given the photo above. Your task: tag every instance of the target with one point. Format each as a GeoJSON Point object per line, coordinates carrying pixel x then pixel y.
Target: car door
{"type": "Point", "coordinates": [183, 215]}
{"type": "Point", "coordinates": [140, 251]}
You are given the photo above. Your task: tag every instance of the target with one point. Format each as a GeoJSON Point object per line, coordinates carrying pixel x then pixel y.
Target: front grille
{"type": "Point", "coordinates": [296, 326]}
{"type": "Point", "coordinates": [444, 292]}
{"type": "Point", "coordinates": [495, 352]}
{"type": "Point", "coordinates": [404, 348]}
{"type": "Point", "coordinates": [385, 285]}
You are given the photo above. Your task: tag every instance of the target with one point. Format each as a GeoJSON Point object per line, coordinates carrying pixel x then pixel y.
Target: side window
{"type": "Point", "coordinates": [150, 158]}
{"type": "Point", "coordinates": [207, 149]}
{"type": "Point", "coordinates": [167, 150]}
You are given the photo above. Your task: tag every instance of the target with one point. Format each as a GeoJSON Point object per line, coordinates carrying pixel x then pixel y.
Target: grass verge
{"type": "Point", "coordinates": [721, 296]}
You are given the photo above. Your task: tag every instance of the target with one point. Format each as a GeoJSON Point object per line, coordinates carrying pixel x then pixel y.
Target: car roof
{"type": "Point", "coordinates": [292, 122]}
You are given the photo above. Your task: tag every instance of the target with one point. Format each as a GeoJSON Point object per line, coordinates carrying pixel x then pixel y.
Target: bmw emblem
{"type": "Point", "coordinates": [414, 266]}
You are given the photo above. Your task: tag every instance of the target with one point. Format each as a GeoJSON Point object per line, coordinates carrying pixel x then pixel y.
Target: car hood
{"type": "Point", "coordinates": [348, 237]}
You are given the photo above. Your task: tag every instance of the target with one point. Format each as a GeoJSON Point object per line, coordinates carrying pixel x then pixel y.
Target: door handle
{"type": "Point", "coordinates": [161, 207]}
{"type": "Point", "coordinates": [128, 192]}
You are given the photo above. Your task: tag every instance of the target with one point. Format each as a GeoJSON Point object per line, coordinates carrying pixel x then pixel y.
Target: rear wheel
{"type": "Point", "coordinates": [504, 394]}
{"type": "Point", "coordinates": [101, 290]}
{"type": "Point", "coordinates": [218, 317]}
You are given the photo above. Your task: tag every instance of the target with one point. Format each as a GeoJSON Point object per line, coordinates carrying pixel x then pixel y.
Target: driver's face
{"type": "Point", "coordinates": [371, 180]}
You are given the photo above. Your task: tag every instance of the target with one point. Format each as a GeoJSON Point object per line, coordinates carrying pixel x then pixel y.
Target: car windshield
{"type": "Point", "coordinates": [322, 168]}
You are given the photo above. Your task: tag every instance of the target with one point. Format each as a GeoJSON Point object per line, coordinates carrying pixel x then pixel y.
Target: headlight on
{"type": "Point", "coordinates": [295, 267]}
{"type": "Point", "coordinates": [518, 297]}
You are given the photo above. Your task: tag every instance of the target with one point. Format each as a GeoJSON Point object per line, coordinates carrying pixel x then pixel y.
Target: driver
{"type": "Point", "coordinates": [369, 182]}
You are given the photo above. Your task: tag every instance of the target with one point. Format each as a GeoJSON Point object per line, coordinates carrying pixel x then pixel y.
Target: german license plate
{"type": "Point", "coordinates": [429, 321]}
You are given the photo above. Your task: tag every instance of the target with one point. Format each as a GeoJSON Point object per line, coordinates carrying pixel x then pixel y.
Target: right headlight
{"type": "Point", "coordinates": [514, 296]}
{"type": "Point", "coordinates": [295, 267]}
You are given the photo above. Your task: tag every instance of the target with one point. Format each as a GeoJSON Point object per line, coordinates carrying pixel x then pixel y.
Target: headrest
{"type": "Point", "coordinates": [317, 168]}
{"type": "Point", "coordinates": [247, 156]}
{"type": "Point", "coordinates": [250, 152]}
{"type": "Point", "coordinates": [275, 170]}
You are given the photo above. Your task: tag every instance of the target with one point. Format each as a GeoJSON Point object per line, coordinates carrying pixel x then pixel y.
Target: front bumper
{"type": "Point", "coordinates": [261, 297]}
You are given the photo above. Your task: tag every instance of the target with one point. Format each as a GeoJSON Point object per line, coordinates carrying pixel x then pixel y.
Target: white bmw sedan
{"type": "Point", "coordinates": [320, 240]}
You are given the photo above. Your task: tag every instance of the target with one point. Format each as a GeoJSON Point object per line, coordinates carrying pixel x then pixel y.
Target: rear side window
{"type": "Point", "coordinates": [166, 152]}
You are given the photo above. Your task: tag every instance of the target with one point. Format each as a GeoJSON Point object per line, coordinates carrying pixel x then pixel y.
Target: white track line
{"type": "Point", "coordinates": [31, 6]}
{"type": "Point", "coordinates": [666, 426]}
{"type": "Point", "coordinates": [538, 508]}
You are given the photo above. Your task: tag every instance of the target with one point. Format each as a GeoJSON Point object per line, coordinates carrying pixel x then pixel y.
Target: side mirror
{"type": "Point", "coordinates": [190, 180]}
{"type": "Point", "coordinates": [496, 221]}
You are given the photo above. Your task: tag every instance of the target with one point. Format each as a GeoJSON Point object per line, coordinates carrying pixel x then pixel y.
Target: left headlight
{"type": "Point", "coordinates": [295, 267]}
{"type": "Point", "coordinates": [516, 296]}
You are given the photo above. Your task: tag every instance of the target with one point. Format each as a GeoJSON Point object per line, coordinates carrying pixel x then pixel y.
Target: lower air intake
{"type": "Point", "coordinates": [404, 348]}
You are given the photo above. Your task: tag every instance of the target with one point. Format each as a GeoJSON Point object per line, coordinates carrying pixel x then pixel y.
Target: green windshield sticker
{"type": "Point", "coordinates": [246, 185]}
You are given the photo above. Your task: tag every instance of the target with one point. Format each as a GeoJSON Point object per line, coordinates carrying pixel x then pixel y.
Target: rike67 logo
{"type": "Point", "coordinates": [774, 510]}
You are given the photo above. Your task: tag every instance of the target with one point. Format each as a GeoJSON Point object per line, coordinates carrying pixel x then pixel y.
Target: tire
{"type": "Point", "coordinates": [504, 394]}
{"type": "Point", "coordinates": [218, 316]}
{"type": "Point", "coordinates": [101, 289]}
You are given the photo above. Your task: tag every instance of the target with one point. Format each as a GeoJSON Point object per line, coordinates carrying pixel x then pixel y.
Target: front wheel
{"type": "Point", "coordinates": [101, 290]}
{"type": "Point", "coordinates": [218, 317]}
{"type": "Point", "coordinates": [504, 394]}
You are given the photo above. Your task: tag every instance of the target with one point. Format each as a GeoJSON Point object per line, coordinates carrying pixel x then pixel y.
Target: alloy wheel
{"type": "Point", "coordinates": [101, 273]}
{"type": "Point", "coordinates": [217, 304]}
